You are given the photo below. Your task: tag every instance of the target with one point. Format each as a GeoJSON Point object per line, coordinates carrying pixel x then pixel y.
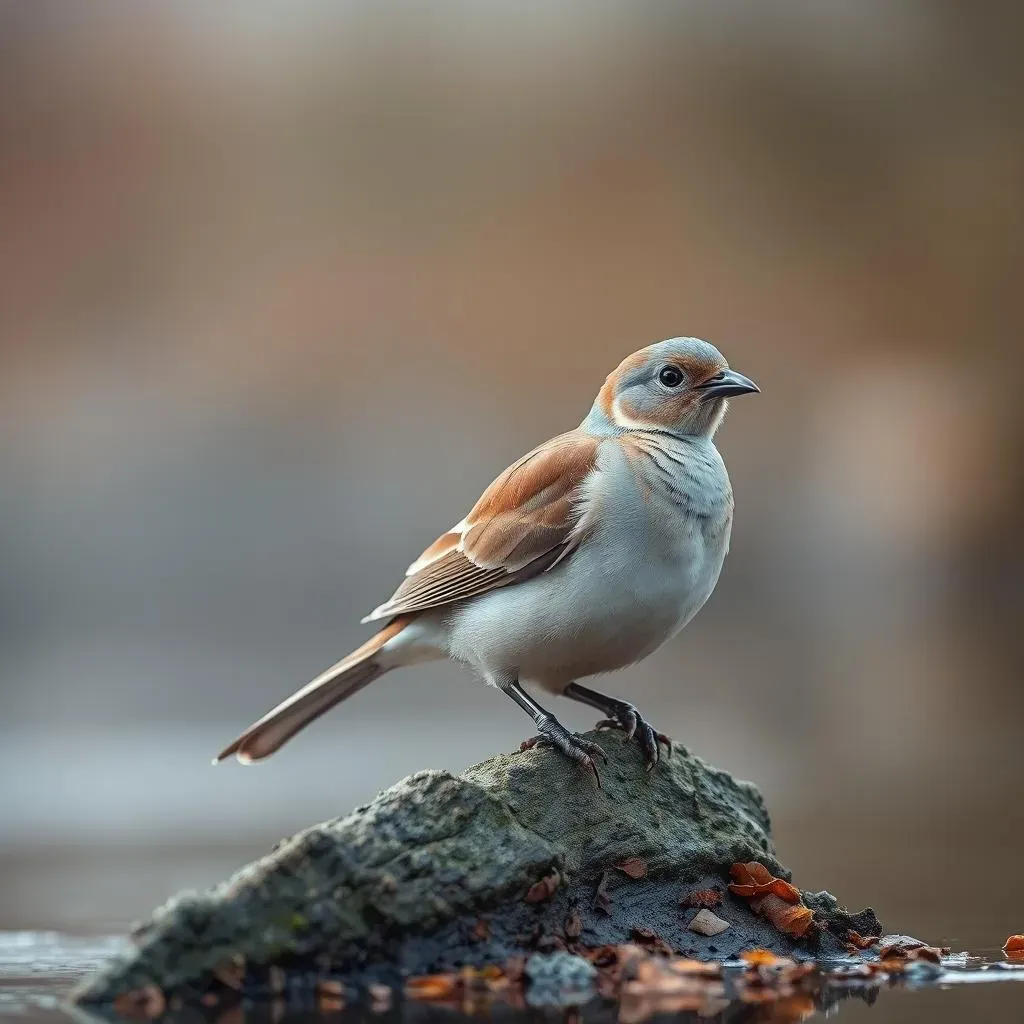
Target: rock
{"type": "Point", "coordinates": [559, 979]}
{"type": "Point", "coordinates": [706, 923]}
{"type": "Point", "coordinates": [434, 875]}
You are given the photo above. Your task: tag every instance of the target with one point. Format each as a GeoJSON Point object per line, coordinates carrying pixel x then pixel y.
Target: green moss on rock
{"type": "Point", "coordinates": [402, 883]}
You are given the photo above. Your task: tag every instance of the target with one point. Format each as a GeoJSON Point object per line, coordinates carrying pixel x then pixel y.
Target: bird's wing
{"type": "Point", "coordinates": [527, 520]}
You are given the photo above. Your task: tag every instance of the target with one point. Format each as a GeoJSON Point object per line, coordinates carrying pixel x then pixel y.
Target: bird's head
{"type": "Point", "coordinates": [681, 386]}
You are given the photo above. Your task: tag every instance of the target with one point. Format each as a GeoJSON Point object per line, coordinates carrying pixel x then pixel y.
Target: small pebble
{"type": "Point", "coordinates": [706, 923]}
{"type": "Point", "coordinates": [557, 979]}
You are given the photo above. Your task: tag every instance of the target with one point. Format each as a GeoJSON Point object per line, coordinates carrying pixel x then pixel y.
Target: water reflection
{"type": "Point", "coordinates": [38, 970]}
{"type": "Point", "coordinates": [788, 1009]}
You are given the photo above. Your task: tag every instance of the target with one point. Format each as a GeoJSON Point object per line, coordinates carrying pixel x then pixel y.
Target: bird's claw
{"type": "Point", "coordinates": [630, 721]}
{"type": "Point", "coordinates": [583, 752]}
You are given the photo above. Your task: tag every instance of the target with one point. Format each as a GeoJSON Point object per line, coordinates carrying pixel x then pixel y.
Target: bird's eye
{"type": "Point", "coordinates": [671, 376]}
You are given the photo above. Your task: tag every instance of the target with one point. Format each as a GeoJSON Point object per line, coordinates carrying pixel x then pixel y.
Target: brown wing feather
{"type": "Point", "coordinates": [524, 522]}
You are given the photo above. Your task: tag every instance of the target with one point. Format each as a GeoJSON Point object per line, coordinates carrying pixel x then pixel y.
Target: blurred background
{"type": "Point", "coordinates": [283, 285]}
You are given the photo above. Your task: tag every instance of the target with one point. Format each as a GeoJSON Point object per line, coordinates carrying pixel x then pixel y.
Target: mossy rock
{"type": "Point", "coordinates": [441, 871]}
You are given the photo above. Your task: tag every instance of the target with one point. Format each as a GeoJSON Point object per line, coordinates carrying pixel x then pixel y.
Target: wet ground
{"type": "Point", "coordinates": [38, 969]}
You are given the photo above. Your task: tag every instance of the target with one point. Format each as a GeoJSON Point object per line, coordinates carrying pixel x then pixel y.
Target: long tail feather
{"type": "Point", "coordinates": [280, 724]}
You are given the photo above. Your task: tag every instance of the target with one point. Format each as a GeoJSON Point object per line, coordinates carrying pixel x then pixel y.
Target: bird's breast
{"type": "Point", "coordinates": [650, 558]}
{"type": "Point", "coordinates": [667, 502]}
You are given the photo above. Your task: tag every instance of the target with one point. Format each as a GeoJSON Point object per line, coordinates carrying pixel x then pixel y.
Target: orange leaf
{"type": "Point", "coordinates": [432, 986]}
{"type": "Point", "coordinates": [891, 965]}
{"type": "Point", "coordinates": [759, 957]}
{"type": "Point", "coordinates": [861, 941]}
{"type": "Point", "coordinates": [1014, 944]}
{"type": "Point", "coordinates": [635, 867]}
{"type": "Point", "coordinates": [791, 920]}
{"type": "Point", "coordinates": [701, 968]}
{"type": "Point", "coordinates": [754, 880]}
{"type": "Point", "coordinates": [795, 921]}
{"type": "Point", "coordinates": [750, 873]}
{"type": "Point", "coordinates": [704, 898]}
{"type": "Point", "coordinates": [772, 898]}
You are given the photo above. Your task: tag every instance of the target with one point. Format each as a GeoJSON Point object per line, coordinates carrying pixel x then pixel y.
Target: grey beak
{"type": "Point", "coordinates": [726, 384]}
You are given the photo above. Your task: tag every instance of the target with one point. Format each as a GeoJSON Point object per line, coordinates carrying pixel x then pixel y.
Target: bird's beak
{"type": "Point", "coordinates": [726, 384]}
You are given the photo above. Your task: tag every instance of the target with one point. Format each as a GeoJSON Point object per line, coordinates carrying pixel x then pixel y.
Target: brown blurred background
{"type": "Point", "coordinates": [283, 285]}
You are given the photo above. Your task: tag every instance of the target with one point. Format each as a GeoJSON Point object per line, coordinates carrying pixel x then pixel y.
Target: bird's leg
{"type": "Point", "coordinates": [623, 715]}
{"type": "Point", "coordinates": [553, 733]}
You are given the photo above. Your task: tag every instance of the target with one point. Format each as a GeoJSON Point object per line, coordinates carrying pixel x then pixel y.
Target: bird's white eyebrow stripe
{"type": "Point", "coordinates": [623, 420]}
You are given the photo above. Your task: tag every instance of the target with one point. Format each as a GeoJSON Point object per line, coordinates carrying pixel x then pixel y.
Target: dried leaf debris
{"type": "Point", "coordinates": [701, 898]}
{"type": "Point", "coordinates": [644, 976]}
{"type": "Point", "coordinates": [634, 867]}
{"type": "Point", "coordinates": [772, 898]}
{"type": "Point", "coordinates": [545, 888]}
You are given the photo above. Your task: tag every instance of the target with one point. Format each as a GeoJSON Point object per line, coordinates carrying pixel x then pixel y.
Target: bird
{"type": "Point", "coordinates": [581, 558]}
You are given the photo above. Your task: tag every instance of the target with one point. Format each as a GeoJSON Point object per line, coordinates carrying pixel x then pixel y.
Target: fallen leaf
{"type": "Point", "coordinates": [754, 880]}
{"type": "Point", "coordinates": [772, 898]}
{"type": "Point", "coordinates": [573, 925]}
{"type": "Point", "coordinates": [330, 995]}
{"type": "Point", "coordinates": [788, 919]}
{"type": "Point", "coordinates": [760, 957]}
{"type": "Point", "coordinates": [1014, 944]}
{"type": "Point", "coordinates": [706, 923]}
{"type": "Point", "coordinates": [664, 975]}
{"type": "Point", "coordinates": [891, 965]}
{"type": "Point", "coordinates": [635, 867]}
{"type": "Point", "coordinates": [545, 888]}
{"type": "Point", "coordinates": [602, 956]}
{"type": "Point", "coordinates": [701, 968]}
{"type": "Point", "coordinates": [859, 941]}
{"type": "Point", "coordinates": [481, 977]}
{"type": "Point", "coordinates": [701, 898]}
{"type": "Point", "coordinates": [797, 972]}
{"type": "Point", "coordinates": [793, 1008]}
{"type": "Point", "coordinates": [431, 987]}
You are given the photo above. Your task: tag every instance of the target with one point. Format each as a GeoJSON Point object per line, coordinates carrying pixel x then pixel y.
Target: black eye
{"type": "Point", "coordinates": [671, 376]}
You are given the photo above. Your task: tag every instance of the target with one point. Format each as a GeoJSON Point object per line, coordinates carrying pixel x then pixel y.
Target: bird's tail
{"type": "Point", "coordinates": [280, 724]}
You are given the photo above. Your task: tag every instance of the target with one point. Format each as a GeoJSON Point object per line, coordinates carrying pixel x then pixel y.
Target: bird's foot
{"type": "Point", "coordinates": [626, 717]}
{"type": "Point", "coordinates": [554, 734]}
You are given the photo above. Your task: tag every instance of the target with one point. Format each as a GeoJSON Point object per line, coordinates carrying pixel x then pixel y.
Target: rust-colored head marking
{"type": "Point", "coordinates": [680, 385]}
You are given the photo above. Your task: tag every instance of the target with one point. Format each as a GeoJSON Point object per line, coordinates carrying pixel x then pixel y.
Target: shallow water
{"type": "Point", "coordinates": [38, 969]}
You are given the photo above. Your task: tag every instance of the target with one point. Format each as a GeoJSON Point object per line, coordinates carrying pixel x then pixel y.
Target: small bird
{"type": "Point", "coordinates": [583, 557]}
